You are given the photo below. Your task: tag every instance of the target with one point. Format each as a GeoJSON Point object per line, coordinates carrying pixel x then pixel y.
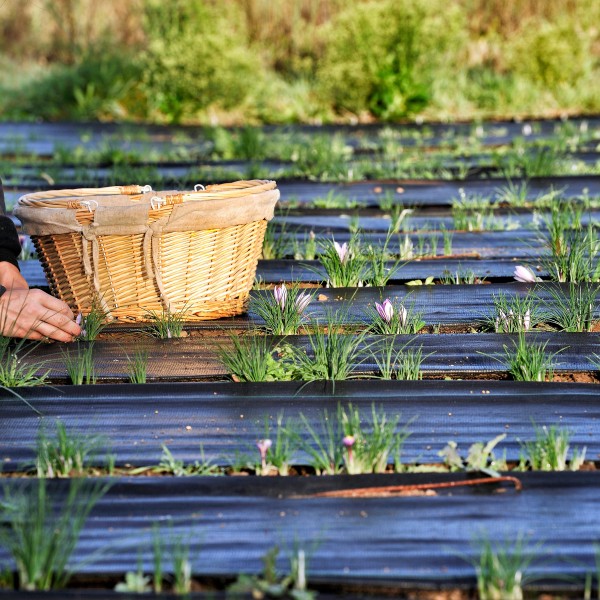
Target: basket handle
{"type": "Point", "coordinates": [127, 190]}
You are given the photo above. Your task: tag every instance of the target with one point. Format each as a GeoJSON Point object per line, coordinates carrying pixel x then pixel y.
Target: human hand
{"type": "Point", "coordinates": [35, 315]}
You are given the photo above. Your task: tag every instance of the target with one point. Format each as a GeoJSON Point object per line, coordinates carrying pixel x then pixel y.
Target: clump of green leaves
{"type": "Point", "coordinates": [529, 361]}
{"type": "Point", "coordinates": [501, 569]}
{"type": "Point", "coordinates": [166, 324]}
{"type": "Point", "coordinates": [137, 366]}
{"type": "Point", "coordinates": [392, 318]}
{"type": "Point", "coordinates": [550, 451]}
{"type": "Point", "coordinates": [514, 314]}
{"type": "Point", "coordinates": [344, 263]}
{"type": "Point", "coordinates": [480, 457]}
{"type": "Point", "coordinates": [283, 310]}
{"type": "Point", "coordinates": [67, 455]}
{"type": "Point", "coordinates": [401, 364]}
{"type": "Point", "coordinates": [255, 358]}
{"type": "Point", "coordinates": [41, 537]}
{"type": "Point", "coordinates": [573, 311]}
{"type": "Point", "coordinates": [80, 364]}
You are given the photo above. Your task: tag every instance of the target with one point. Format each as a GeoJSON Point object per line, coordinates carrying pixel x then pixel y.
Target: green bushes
{"type": "Point", "coordinates": [196, 57]}
{"type": "Point", "coordinates": [253, 61]}
{"type": "Point", "coordinates": [385, 55]}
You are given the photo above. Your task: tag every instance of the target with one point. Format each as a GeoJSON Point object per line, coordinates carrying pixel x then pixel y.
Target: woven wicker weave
{"type": "Point", "coordinates": [135, 250]}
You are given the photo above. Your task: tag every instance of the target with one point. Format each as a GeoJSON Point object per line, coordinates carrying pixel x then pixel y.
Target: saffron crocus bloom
{"type": "Point", "coordinates": [263, 446]}
{"type": "Point", "coordinates": [402, 315]}
{"type": "Point", "coordinates": [342, 251]}
{"type": "Point", "coordinates": [385, 310]}
{"type": "Point", "coordinates": [302, 301]}
{"type": "Point", "coordinates": [280, 293]}
{"type": "Point", "coordinates": [348, 442]}
{"type": "Point", "coordinates": [527, 320]}
{"type": "Point", "coordinates": [524, 274]}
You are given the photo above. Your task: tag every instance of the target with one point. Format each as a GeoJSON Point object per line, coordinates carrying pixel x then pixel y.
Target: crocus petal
{"type": "Point", "coordinates": [403, 315]}
{"type": "Point", "coordinates": [280, 294]}
{"type": "Point", "coordinates": [302, 301]}
{"type": "Point", "coordinates": [342, 251]}
{"type": "Point", "coordinates": [385, 310]}
{"type": "Point", "coordinates": [348, 441]}
{"type": "Point", "coordinates": [527, 320]}
{"type": "Point", "coordinates": [263, 446]}
{"type": "Point", "coordinates": [524, 274]}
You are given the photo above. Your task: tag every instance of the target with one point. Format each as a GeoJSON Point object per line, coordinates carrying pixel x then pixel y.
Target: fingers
{"type": "Point", "coordinates": [33, 314]}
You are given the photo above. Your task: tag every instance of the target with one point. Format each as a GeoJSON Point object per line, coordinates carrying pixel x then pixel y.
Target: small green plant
{"type": "Point", "coordinates": [368, 447]}
{"type": "Point", "coordinates": [253, 358]}
{"type": "Point", "coordinates": [137, 366]}
{"type": "Point", "coordinates": [39, 536]}
{"type": "Point", "coordinates": [379, 273]}
{"type": "Point", "coordinates": [501, 569]}
{"type": "Point", "coordinates": [166, 324]}
{"type": "Point", "coordinates": [335, 200]}
{"type": "Point", "coordinates": [170, 465]}
{"type": "Point", "coordinates": [480, 457]}
{"type": "Point", "coordinates": [283, 311]}
{"type": "Point", "coordinates": [331, 356]}
{"type": "Point", "coordinates": [308, 249]}
{"type": "Point", "coordinates": [324, 449]}
{"type": "Point", "coordinates": [344, 263]}
{"type": "Point", "coordinates": [93, 323]}
{"type": "Point", "coordinates": [67, 455]}
{"type": "Point", "coordinates": [447, 239]}
{"type": "Point", "coordinates": [182, 566]}
{"type": "Point", "coordinates": [271, 584]}
{"type": "Point", "coordinates": [80, 365]}
{"type": "Point", "coordinates": [398, 215]}
{"type": "Point", "coordinates": [14, 371]}
{"type": "Point", "coordinates": [574, 257]}
{"type": "Point", "coordinates": [529, 361]}
{"type": "Point", "coordinates": [460, 277]}
{"type": "Point", "coordinates": [514, 194]}
{"type": "Point", "coordinates": [393, 318]}
{"type": "Point", "coordinates": [550, 451]}
{"type": "Point", "coordinates": [572, 311]}
{"type": "Point", "coordinates": [514, 314]}
{"type": "Point", "coordinates": [400, 364]}
{"type": "Point", "coordinates": [135, 582]}
{"type": "Point", "coordinates": [280, 454]}
{"type": "Point", "coordinates": [274, 241]}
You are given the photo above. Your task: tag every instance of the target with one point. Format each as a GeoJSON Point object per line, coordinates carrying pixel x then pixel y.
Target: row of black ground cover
{"type": "Point", "coordinates": [432, 192]}
{"type": "Point", "coordinates": [391, 542]}
{"type": "Point", "coordinates": [227, 419]}
{"type": "Point", "coordinates": [45, 138]}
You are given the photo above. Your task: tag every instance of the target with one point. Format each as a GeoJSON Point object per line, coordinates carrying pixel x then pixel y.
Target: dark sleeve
{"type": "Point", "coordinates": [10, 248]}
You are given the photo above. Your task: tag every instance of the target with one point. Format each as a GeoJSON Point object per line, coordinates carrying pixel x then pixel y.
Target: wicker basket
{"type": "Point", "coordinates": [137, 251]}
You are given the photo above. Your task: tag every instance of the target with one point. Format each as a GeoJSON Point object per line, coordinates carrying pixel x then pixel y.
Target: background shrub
{"type": "Point", "coordinates": [385, 56]}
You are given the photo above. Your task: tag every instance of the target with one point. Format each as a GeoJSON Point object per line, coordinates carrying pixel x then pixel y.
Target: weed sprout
{"type": "Point", "coordinates": [549, 451]}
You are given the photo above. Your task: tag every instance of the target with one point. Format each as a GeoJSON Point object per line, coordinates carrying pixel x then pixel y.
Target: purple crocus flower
{"type": "Point", "coordinates": [302, 301]}
{"type": "Point", "coordinates": [524, 274]}
{"type": "Point", "coordinates": [263, 446]}
{"type": "Point", "coordinates": [348, 442]}
{"type": "Point", "coordinates": [280, 292]}
{"type": "Point", "coordinates": [385, 310]}
{"type": "Point", "coordinates": [343, 252]}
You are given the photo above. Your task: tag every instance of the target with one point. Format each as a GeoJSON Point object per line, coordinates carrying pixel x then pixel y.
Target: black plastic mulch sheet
{"type": "Point", "coordinates": [277, 271]}
{"type": "Point", "coordinates": [398, 541]}
{"type": "Point", "coordinates": [194, 359]}
{"type": "Point", "coordinates": [434, 192]}
{"type": "Point", "coordinates": [45, 138]}
{"type": "Point", "coordinates": [227, 419]}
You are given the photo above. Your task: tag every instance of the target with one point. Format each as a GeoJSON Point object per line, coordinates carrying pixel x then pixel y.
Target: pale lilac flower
{"type": "Point", "coordinates": [302, 301]}
{"type": "Point", "coordinates": [385, 310]}
{"type": "Point", "coordinates": [524, 274]}
{"type": "Point", "coordinates": [79, 320]}
{"type": "Point", "coordinates": [348, 442]}
{"type": "Point", "coordinates": [280, 293]}
{"type": "Point", "coordinates": [263, 446]}
{"type": "Point", "coordinates": [403, 315]}
{"type": "Point", "coordinates": [527, 320]}
{"type": "Point", "coordinates": [343, 252]}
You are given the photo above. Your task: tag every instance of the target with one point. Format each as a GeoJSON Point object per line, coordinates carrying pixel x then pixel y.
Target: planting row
{"type": "Point", "coordinates": [193, 428]}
